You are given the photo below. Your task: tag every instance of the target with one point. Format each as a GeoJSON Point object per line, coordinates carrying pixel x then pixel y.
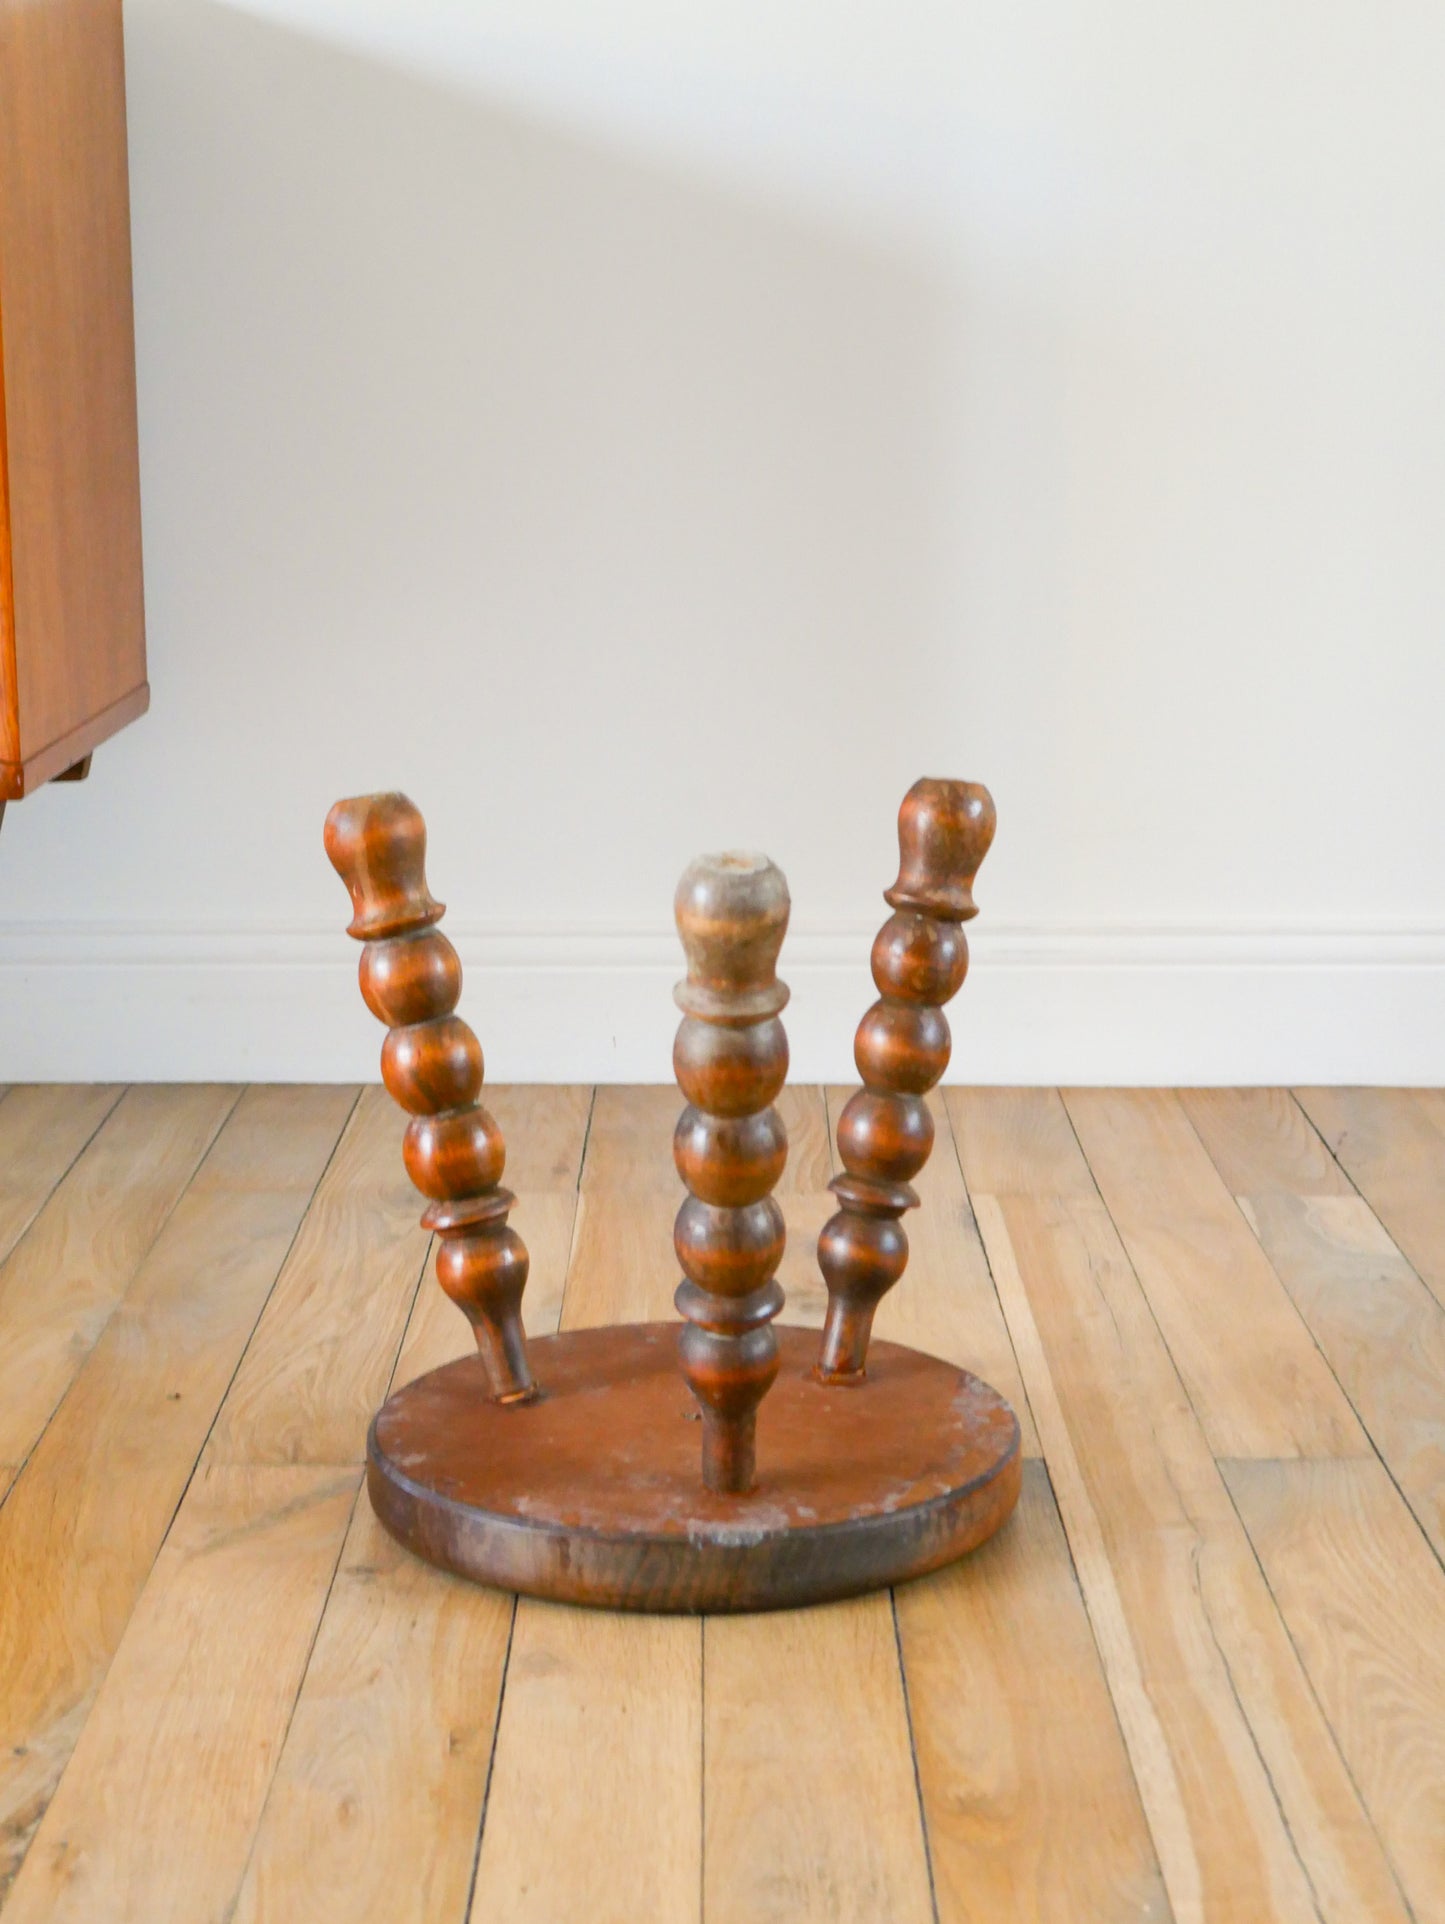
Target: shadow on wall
{"type": "Point", "coordinates": [595, 506]}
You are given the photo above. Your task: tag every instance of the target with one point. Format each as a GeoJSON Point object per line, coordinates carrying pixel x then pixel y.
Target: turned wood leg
{"type": "Point", "coordinates": [885, 1132]}
{"type": "Point", "coordinates": [730, 1146]}
{"type": "Point", "coordinates": [411, 979]}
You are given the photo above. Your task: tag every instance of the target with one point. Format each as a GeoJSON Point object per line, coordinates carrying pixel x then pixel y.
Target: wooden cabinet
{"type": "Point", "coordinates": [72, 626]}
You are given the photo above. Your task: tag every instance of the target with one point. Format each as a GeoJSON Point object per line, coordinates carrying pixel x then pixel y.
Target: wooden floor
{"type": "Point", "coordinates": [1201, 1675]}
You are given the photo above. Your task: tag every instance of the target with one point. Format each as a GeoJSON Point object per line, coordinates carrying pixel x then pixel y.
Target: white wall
{"type": "Point", "coordinates": [633, 429]}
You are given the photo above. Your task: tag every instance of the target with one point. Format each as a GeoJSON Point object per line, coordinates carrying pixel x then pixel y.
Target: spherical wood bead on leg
{"type": "Point", "coordinates": [730, 1147]}
{"type": "Point", "coordinates": [885, 1133]}
{"type": "Point", "coordinates": [432, 1065]}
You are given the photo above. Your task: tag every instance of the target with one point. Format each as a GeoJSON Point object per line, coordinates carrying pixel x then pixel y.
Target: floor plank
{"type": "Point", "coordinates": [1033, 1812]}
{"type": "Point", "coordinates": [392, 1734]}
{"type": "Point", "coordinates": [811, 1801]}
{"type": "Point", "coordinates": [946, 1303]}
{"type": "Point", "coordinates": [1365, 1603]}
{"type": "Point", "coordinates": [629, 1146]}
{"type": "Point", "coordinates": [1254, 1373]}
{"type": "Point", "coordinates": [1251, 1808]}
{"type": "Point", "coordinates": [89, 1513]}
{"type": "Point", "coordinates": [1431, 1103]}
{"type": "Point", "coordinates": [1381, 1330]}
{"type": "Point", "coordinates": [1017, 1142]}
{"type": "Point", "coordinates": [43, 1128]}
{"type": "Point", "coordinates": [810, 1141]}
{"type": "Point", "coordinates": [1260, 1139]}
{"type": "Point", "coordinates": [374, 1809]}
{"type": "Point", "coordinates": [545, 1128]}
{"type": "Point", "coordinates": [319, 1362]}
{"type": "Point", "coordinates": [154, 1815]}
{"type": "Point", "coordinates": [1391, 1143]}
{"type": "Point", "coordinates": [601, 1716]}
{"type": "Point", "coordinates": [623, 1269]}
{"type": "Point", "coordinates": [62, 1281]}
{"type": "Point", "coordinates": [601, 1731]}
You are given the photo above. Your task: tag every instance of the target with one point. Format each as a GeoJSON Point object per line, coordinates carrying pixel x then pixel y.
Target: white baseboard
{"type": "Point", "coordinates": [1096, 1004]}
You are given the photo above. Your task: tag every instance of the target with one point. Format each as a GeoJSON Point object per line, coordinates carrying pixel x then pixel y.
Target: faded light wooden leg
{"type": "Point", "coordinates": [730, 1147]}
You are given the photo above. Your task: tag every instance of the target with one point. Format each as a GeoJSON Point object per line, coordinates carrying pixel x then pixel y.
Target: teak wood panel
{"type": "Point", "coordinates": [72, 628]}
{"type": "Point", "coordinates": [252, 1705]}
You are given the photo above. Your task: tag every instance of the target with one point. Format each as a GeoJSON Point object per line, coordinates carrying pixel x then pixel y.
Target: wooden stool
{"type": "Point", "coordinates": [567, 1466]}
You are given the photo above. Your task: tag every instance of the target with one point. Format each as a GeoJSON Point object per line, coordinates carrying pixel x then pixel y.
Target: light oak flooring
{"type": "Point", "coordinates": [1201, 1675]}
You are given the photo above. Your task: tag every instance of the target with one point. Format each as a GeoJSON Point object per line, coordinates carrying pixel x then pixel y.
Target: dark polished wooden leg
{"type": "Point", "coordinates": [730, 1146]}
{"type": "Point", "coordinates": [411, 979]}
{"type": "Point", "coordinates": [885, 1133]}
